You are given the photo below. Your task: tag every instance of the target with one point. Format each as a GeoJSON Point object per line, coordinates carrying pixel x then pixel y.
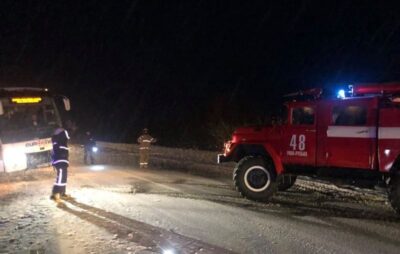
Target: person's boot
{"type": "Point", "coordinates": [56, 197]}
{"type": "Point", "coordinates": [66, 197]}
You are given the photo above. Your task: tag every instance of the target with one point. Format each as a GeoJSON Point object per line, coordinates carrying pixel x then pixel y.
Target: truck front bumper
{"type": "Point", "coordinates": [222, 158]}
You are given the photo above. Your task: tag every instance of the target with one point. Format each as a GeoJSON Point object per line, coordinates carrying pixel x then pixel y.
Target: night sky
{"type": "Point", "coordinates": [190, 70]}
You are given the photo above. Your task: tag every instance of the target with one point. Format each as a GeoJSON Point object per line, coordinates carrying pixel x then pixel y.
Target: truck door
{"type": "Point", "coordinates": [389, 135]}
{"type": "Point", "coordinates": [299, 145]}
{"type": "Point", "coordinates": [351, 135]}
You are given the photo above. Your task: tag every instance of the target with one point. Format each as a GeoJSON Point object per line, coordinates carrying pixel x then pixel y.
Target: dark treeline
{"type": "Point", "coordinates": [190, 70]}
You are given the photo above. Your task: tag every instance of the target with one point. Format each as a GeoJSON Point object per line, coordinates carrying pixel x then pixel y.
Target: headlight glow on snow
{"type": "Point", "coordinates": [169, 251]}
{"type": "Point", "coordinates": [97, 168]}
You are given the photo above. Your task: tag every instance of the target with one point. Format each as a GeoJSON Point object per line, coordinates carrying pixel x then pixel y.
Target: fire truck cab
{"type": "Point", "coordinates": [353, 137]}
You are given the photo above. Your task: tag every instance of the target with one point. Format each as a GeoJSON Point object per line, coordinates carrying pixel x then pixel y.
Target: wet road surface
{"type": "Point", "coordinates": [130, 210]}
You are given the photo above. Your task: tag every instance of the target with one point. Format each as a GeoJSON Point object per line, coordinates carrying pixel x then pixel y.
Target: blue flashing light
{"type": "Point", "coordinates": [341, 94]}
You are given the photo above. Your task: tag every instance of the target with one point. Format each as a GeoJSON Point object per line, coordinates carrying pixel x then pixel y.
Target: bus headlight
{"type": "Point", "coordinates": [14, 159]}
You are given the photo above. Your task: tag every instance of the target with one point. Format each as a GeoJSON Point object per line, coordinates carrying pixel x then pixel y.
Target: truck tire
{"type": "Point", "coordinates": [255, 178]}
{"type": "Point", "coordinates": [286, 181]}
{"type": "Point", "coordinates": [394, 194]}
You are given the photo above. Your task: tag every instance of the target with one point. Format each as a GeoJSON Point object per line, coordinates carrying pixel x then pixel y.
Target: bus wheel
{"type": "Point", "coordinates": [255, 178]}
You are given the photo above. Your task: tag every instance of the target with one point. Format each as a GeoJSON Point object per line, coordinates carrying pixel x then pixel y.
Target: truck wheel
{"type": "Point", "coordinates": [286, 181]}
{"type": "Point", "coordinates": [394, 194]}
{"type": "Point", "coordinates": [255, 178]}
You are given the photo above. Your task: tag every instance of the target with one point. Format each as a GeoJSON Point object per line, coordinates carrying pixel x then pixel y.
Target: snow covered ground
{"type": "Point", "coordinates": [129, 210]}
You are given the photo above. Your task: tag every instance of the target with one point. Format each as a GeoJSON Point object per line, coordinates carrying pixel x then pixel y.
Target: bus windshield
{"type": "Point", "coordinates": [23, 118]}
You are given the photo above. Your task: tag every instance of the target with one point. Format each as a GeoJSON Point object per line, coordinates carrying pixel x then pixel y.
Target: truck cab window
{"type": "Point", "coordinates": [280, 116]}
{"type": "Point", "coordinates": [349, 115]}
{"type": "Point", "coordinates": [303, 116]}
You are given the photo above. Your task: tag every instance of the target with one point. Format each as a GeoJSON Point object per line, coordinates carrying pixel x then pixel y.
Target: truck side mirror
{"type": "Point", "coordinates": [1, 109]}
{"type": "Point", "coordinates": [67, 104]}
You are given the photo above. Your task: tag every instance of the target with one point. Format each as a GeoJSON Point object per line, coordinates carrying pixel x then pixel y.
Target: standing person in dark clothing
{"type": "Point", "coordinates": [60, 163]}
{"type": "Point", "coordinates": [89, 148]}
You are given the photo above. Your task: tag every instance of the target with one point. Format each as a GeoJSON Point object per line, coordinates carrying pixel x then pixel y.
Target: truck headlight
{"type": "Point", "coordinates": [227, 147]}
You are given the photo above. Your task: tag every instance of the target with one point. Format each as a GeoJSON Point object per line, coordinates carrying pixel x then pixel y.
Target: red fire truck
{"type": "Point", "coordinates": [353, 137]}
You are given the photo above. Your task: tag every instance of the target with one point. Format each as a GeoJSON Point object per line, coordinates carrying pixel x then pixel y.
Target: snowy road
{"type": "Point", "coordinates": [129, 210]}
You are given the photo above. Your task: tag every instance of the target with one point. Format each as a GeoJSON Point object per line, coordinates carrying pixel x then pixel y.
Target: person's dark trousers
{"type": "Point", "coordinates": [88, 154]}
{"type": "Point", "coordinates": [60, 184]}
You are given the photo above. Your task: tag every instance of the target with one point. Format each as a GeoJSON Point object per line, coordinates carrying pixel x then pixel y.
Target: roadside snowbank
{"type": "Point", "coordinates": [192, 161]}
{"type": "Point", "coordinates": [188, 160]}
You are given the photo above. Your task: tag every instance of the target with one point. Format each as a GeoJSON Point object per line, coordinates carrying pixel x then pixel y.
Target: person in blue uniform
{"type": "Point", "coordinates": [60, 163]}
